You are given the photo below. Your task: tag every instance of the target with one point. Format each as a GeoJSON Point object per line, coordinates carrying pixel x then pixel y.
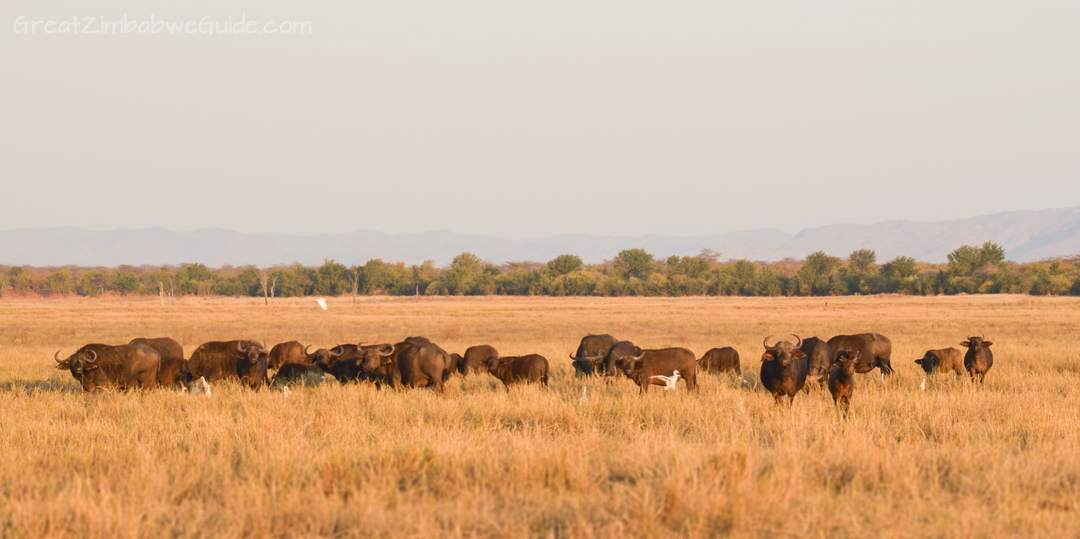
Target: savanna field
{"type": "Point", "coordinates": [1000, 460]}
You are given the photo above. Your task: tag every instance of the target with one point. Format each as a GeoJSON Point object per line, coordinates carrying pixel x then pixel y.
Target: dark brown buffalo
{"type": "Point", "coordinates": [286, 352]}
{"type": "Point", "coordinates": [944, 360]}
{"type": "Point", "coordinates": [589, 358]}
{"type": "Point", "coordinates": [978, 358]}
{"type": "Point", "coordinates": [165, 347]}
{"type": "Point", "coordinates": [783, 369]}
{"type": "Point", "coordinates": [721, 360]}
{"type": "Point", "coordinates": [475, 359]}
{"type": "Point", "coordinates": [842, 379]}
{"type": "Point", "coordinates": [224, 360]}
{"type": "Point", "coordinates": [875, 350]}
{"type": "Point", "coordinates": [819, 359]}
{"type": "Point", "coordinates": [123, 367]}
{"type": "Point", "coordinates": [422, 366]}
{"type": "Point", "coordinates": [641, 365]}
{"type": "Point", "coordinates": [524, 369]}
{"type": "Point", "coordinates": [387, 369]}
{"type": "Point", "coordinates": [354, 360]}
{"type": "Point", "coordinates": [173, 371]}
{"type": "Point", "coordinates": [298, 372]}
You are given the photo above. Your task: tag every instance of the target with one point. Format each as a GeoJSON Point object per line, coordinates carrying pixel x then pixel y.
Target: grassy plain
{"type": "Point", "coordinates": [952, 461]}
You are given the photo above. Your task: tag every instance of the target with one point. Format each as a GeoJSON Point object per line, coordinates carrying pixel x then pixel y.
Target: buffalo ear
{"type": "Point", "coordinates": [918, 361]}
{"type": "Point", "coordinates": [987, 344]}
{"type": "Point", "coordinates": [768, 356]}
{"type": "Point", "coordinates": [965, 344]}
{"type": "Point", "coordinates": [799, 354]}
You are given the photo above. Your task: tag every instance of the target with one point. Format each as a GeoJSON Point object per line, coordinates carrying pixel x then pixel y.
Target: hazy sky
{"type": "Point", "coordinates": [527, 119]}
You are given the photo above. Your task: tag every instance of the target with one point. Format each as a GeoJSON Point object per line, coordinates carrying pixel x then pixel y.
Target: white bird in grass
{"type": "Point", "coordinates": [321, 303]}
{"type": "Point", "coordinates": [285, 390]}
{"type": "Point", "coordinates": [200, 384]}
{"type": "Point", "coordinates": [669, 381]}
{"type": "Point", "coordinates": [922, 386]}
{"type": "Point", "coordinates": [583, 395]}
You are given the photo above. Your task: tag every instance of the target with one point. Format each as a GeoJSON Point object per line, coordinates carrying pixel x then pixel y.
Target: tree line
{"type": "Point", "coordinates": [633, 272]}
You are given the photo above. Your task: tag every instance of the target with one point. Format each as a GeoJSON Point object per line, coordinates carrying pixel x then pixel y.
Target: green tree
{"type": "Point", "coordinates": [332, 279]}
{"type": "Point", "coordinates": [965, 260]}
{"type": "Point", "coordinates": [60, 282]}
{"type": "Point", "coordinates": [634, 263]}
{"type": "Point", "coordinates": [563, 264]}
{"type": "Point", "coordinates": [817, 275]}
{"type": "Point", "coordinates": [901, 275]}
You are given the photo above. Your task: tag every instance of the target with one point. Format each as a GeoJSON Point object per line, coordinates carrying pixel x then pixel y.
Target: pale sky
{"type": "Point", "coordinates": [528, 119]}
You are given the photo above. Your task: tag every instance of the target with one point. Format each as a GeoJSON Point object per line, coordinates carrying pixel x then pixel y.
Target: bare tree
{"type": "Point", "coordinates": [355, 282]}
{"type": "Point", "coordinates": [268, 284]}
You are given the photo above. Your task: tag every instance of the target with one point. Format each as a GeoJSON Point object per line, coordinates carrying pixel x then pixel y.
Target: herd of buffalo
{"type": "Point", "coordinates": [417, 362]}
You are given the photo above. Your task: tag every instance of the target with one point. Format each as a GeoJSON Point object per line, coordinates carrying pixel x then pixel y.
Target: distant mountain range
{"type": "Point", "coordinates": [1026, 236]}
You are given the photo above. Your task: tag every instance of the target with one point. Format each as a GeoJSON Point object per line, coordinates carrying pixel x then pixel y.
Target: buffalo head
{"type": "Point", "coordinates": [323, 356]}
{"type": "Point", "coordinates": [973, 343]}
{"type": "Point", "coordinates": [624, 356]}
{"type": "Point", "coordinates": [846, 360]}
{"type": "Point", "coordinates": [375, 356]}
{"type": "Point", "coordinates": [783, 351]}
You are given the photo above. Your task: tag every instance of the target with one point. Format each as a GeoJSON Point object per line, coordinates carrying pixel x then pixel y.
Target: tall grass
{"type": "Point", "coordinates": [952, 461]}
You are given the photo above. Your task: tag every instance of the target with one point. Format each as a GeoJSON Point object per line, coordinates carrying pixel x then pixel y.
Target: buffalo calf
{"type": "Point", "coordinates": [173, 371]}
{"type": "Point", "coordinates": [842, 379]}
{"type": "Point", "coordinates": [978, 358]}
{"type": "Point", "coordinates": [475, 360]}
{"type": "Point", "coordinates": [297, 372]}
{"type": "Point", "coordinates": [944, 360]}
{"type": "Point", "coordinates": [721, 360]}
{"type": "Point", "coordinates": [525, 369]}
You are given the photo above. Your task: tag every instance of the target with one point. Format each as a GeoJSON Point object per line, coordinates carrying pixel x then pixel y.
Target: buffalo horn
{"type": "Point", "coordinates": [56, 356]}
{"type": "Point", "coordinates": [340, 349]}
{"type": "Point", "coordinates": [306, 350]}
{"type": "Point", "coordinates": [93, 357]}
{"type": "Point", "coordinates": [384, 352]}
{"type": "Point", "coordinates": [766, 344]}
{"type": "Point", "coordinates": [799, 339]}
{"type": "Point", "coordinates": [639, 356]}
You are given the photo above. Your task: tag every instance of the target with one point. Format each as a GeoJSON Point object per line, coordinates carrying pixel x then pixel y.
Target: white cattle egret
{"type": "Point", "coordinates": [583, 395]}
{"type": "Point", "coordinates": [922, 386]}
{"type": "Point", "coordinates": [321, 303]}
{"type": "Point", "coordinates": [285, 390]}
{"type": "Point", "coordinates": [201, 386]}
{"type": "Point", "coordinates": [669, 381]}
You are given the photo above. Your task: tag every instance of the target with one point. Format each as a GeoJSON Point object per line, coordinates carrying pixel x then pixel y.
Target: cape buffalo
{"type": "Point", "coordinates": [422, 366]}
{"type": "Point", "coordinates": [511, 370]}
{"type": "Point", "coordinates": [589, 358]}
{"type": "Point", "coordinates": [842, 379]}
{"type": "Point", "coordinates": [165, 346]}
{"type": "Point", "coordinates": [475, 359]}
{"type": "Point", "coordinates": [819, 359]}
{"type": "Point", "coordinates": [103, 366]}
{"type": "Point", "coordinates": [978, 358]}
{"type": "Point", "coordinates": [874, 348]}
{"type": "Point", "coordinates": [641, 365]}
{"type": "Point", "coordinates": [218, 360]}
{"type": "Point", "coordinates": [293, 372]}
{"type": "Point", "coordinates": [721, 360]}
{"type": "Point", "coordinates": [286, 352]}
{"type": "Point", "coordinates": [354, 360]}
{"type": "Point", "coordinates": [783, 369]}
{"type": "Point", "coordinates": [387, 368]}
{"type": "Point", "coordinates": [173, 371]}
{"type": "Point", "coordinates": [944, 360]}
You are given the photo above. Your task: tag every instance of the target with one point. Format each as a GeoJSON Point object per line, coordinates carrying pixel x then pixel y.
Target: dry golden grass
{"type": "Point", "coordinates": [953, 461]}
